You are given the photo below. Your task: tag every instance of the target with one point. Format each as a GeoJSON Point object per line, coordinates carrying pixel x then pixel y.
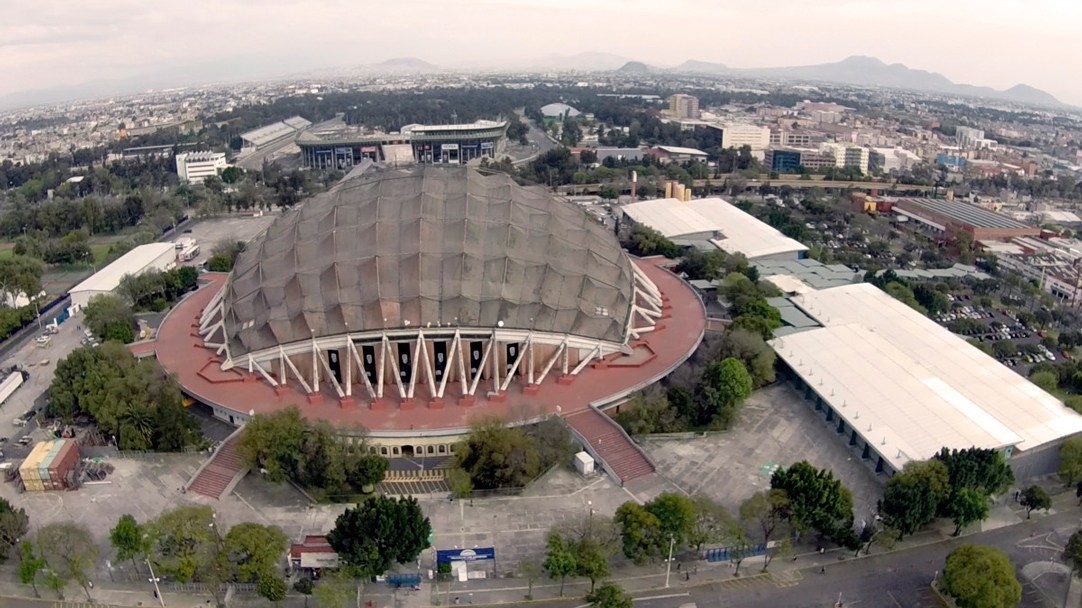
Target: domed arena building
{"type": "Point", "coordinates": [410, 302]}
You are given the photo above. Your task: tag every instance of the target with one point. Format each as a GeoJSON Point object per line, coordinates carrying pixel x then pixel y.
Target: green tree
{"type": "Point", "coordinates": [1072, 552]}
{"type": "Point", "coordinates": [272, 587]}
{"type": "Point", "coordinates": [1035, 497]}
{"type": "Point", "coordinates": [130, 399]}
{"type": "Point", "coordinates": [967, 506]}
{"type": "Point", "coordinates": [752, 350]}
{"type": "Point", "coordinates": [979, 576]}
{"type": "Point", "coordinates": [337, 590]}
{"type": "Point", "coordinates": [184, 544]}
{"type": "Point", "coordinates": [14, 524]}
{"type": "Point", "coordinates": [817, 501]}
{"type": "Point", "coordinates": [560, 560]}
{"type": "Point", "coordinates": [977, 468]}
{"type": "Point", "coordinates": [640, 531]}
{"type": "Point", "coordinates": [725, 385]}
{"type": "Point", "coordinates": [913, 495]}
{"type": "Point", "coordinates": [710, 521]}
{"type": "Point", "coordinates": [232, 175]}
{"type": "Point", "coordinates": [304, 587]}
{"type": "Point", "coordinates": [675, 514]}
{"type": "Point", "coordinates": [70, 552]}
{"type": "Point", "coordinates": [110, 318]}
{"type": "Point", "coordinates": [254, 550]}
{"type": "Point", "coordinates": [30, 565]}
{"type": "Point", "coordinates": [19, 275]}
{"type": "Point", "coordinates": [460, 483]}
{"type": "Point", "coordinates": [531, 570]}
{"type": "Point", "coordinates": [609, 595]}
{"type": "Point", "coordinates": [1047, 380]}
{"type": "Point", "coordinates": [765, 512]}
{"type": "Point", "coordinates": [379, 532]}
{"type": "Point", "coordinates": [128, 540]}
{"type": "Point", "coordinates": [904, 294]}
{"type": "Point", "coordinates": [274, 443]}
{"type": "Point", "coordinates": [224, 255]}
{"type": "Point", "coordinates": [498, 456]}
{"type": "Point", "coordinates": [1070, 461]}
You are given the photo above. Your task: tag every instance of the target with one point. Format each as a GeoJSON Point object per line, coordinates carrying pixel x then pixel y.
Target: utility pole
{"type": "Point", "coordinates": [154, 579]}
{"type": "Point", "coordinates": [668, 564]}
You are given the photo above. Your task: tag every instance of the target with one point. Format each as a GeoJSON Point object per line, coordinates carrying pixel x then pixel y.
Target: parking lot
{"type": "Point", "coordinates": [209, 232]}
{"type": "Point", "coordinates": [1010, 341]}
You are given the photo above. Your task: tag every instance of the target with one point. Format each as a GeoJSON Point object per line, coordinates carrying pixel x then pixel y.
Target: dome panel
{"type": "Point", "coordinates": [427, 246]}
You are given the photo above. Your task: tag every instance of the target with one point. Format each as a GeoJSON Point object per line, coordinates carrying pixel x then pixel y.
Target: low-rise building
{"type": "Point", "coordinates": [152, 256]}
{"type": "Point", "coordinates": [198, 166]}
{"type": "Point", "coordinates": [677, 154]}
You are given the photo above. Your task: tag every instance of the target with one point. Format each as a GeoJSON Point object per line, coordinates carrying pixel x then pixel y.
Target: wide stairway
{"type": "Point", "coordinates": [618, 454]}
{"type": "Point", "coordinates": [221, 473]}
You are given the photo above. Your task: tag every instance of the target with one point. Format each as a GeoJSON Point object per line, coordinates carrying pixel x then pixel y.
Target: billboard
{"type": "Point", "coordinates": [405, 361]}
{"type": "Point", "coordinates": [368, 149]}
{"type": "Point", "coordinates": [368, 361]}
{"type": "Point", "coordinates": [465, 555]}
{"type": "Point", "coordinates": [439, 354]}
{"type": "Point", "coordinates": [488, 145]}
{"type": "Point", "coordinates": [334, 364]}
{"type": "Point", "coordinates": [448, 146]}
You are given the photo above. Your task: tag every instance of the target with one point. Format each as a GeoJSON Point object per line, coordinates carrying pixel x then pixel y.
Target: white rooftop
{"type": "Point", "coordinates": [911, 387]}
{"type": "Point", "coordinates": [682, 150]}
{"type": "Point", "coordinates": [739, 232]}
{"type": "Point", "coordinates": [133, 262]}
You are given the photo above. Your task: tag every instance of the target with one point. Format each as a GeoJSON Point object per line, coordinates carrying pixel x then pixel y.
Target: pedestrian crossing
{"type": "Point", "coordinates": [790, 578]}
{"type": "Point", "coordinates": [751, 581]}
{"type": "Point", "coordinates": [64, 604]}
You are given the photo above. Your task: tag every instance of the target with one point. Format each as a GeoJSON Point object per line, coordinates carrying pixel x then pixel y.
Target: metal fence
{"type": "Point", "coordinates": [238, 588]}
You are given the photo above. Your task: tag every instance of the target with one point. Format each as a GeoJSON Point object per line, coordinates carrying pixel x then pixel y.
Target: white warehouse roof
{"type": "Point", "coordinates": [738, 232]}
{"type": "Point", "coordinates": [134, 262]}
{"type": "Point", "coordinates": [909, 386]}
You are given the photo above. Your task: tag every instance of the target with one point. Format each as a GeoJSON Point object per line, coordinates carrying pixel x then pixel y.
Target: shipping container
{"type": "Point", "coordinates": [34, 485]}
{"type": "Point", "coordinates": [29, 468]}
{"type": "Point", "coordinates": [65, 460]}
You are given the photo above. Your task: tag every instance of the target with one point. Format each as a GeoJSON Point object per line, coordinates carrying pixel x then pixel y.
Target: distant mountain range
{"type": "Point", "coordinates": [856, 70]}
{"type": "Point", "coordinates": [871, 72]}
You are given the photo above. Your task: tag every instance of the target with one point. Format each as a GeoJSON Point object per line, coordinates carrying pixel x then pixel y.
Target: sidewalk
{"type": "Point", "coordinates": [640, 581]}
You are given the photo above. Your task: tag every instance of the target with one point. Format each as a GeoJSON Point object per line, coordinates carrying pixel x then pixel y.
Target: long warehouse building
{"type": "Point", "coordinates": [713, 222]}
{"type": "Point", "coordinates": [898, 387]}
{"type": "Point", "coordinates": [152, 256]}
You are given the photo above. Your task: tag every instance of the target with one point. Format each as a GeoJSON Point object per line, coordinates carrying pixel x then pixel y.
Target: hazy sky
{"type": "Point", "coordinates": [999, 43]}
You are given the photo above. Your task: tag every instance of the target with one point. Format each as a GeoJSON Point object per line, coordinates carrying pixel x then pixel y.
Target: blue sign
{"type": "Point", "coordinates": [485, 145]}
{"type": "Point", "coordinates": [465, 555]}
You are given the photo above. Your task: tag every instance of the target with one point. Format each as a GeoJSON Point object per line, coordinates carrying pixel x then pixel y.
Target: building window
{"type": "Point", "coordinates": [396, 451]}
{"type": "Point", "coordinates": [431, 449]}
{"type": "Point", "coordinates": [442, 449]}
{"type": "Point", "coordinates": [383, 451]}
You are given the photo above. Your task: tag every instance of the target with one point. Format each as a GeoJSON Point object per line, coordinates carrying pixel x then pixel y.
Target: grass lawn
{"type": "Point", "coordinates": [100, 251]}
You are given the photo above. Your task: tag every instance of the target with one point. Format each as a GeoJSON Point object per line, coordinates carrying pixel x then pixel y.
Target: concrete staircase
{"type": "Point", "coordinates": [607, 442]}
{"type": "Point", "coordinates": [221, 472]}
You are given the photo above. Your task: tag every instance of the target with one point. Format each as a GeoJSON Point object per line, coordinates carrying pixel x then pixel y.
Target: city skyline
{"type": "Point", "coordinates": [48, 47]}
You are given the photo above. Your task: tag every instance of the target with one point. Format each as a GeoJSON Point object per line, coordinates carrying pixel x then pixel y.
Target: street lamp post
{"type": "Point", "coordinates": [154, 579]}
{"type": "Point", "coordinates": [668, 562]}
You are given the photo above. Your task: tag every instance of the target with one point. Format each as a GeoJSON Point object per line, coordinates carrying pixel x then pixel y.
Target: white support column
{"type": "Point", "coordinates": [394, 367]}
{"type": "Point", "coordinates": [420, 353]}
{"type": "Point", "coordinates": [296, 372]}
{"type": "Point", "coordinates": [381, 378]}
{"type": "Point", "coordinates": [530, 363]}
{"type": "Point", "coordinates": [331, 378]}
{"type": "Point", "coordinates": [518, 362]}
{"type": "Point", "coordinates": [556, 356]}
{"type": "Point", "coordinates": [481, 368]}
{"type": "Point", "coordinates": [253, 365]}
{"type": "Point", "coordinates": [566, 358]}
{"type": "Point", "coordinates": [360, 367]}
{"type": "Point", "coordinates": [452, 352]}
{"type": "Point", "coordinates": [349, 367]}
{"type": "Point", "coordinates": [315, 364]}
{"type": "Point", "coordinates": [495, 364]}
{"type": "Point", "coordinates": [594, 352]}
{"type": "Point", "coordinates": [282, 365]}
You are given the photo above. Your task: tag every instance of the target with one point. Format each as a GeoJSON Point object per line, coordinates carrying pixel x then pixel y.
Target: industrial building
{"type": "Point", "coordinates": [452, 144]}
{"type": "Point", "coordinates": [941, 218]}
{"type": "Point", "coordinates": [153, 256]}
{"type": "Point", "coordinates": [713, 222]}
{"type": "Point", "coordinates": [274, 133]}
{"type": "Point", "coordinates": [198, 166]}
{"type": "Point", "coordinates": [898, 387]}
{"type": "Point", "coordinates": [677, 154]}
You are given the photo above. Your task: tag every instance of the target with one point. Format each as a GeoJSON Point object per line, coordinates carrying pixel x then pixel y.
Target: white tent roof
{"type": "Point", "coordinates": [739, 232]}
{"type": "Point", "coordinates": [133, 262]}
{"type": "Point", "coordinates": [911, 387]}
